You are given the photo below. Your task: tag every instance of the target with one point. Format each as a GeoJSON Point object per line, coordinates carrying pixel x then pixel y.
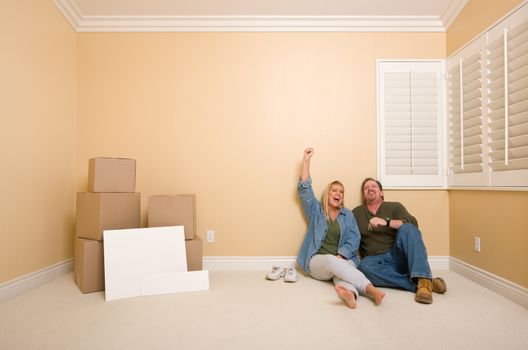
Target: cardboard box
{"type": "Point", "coordinates": [89, 265]}
{"type": "Point", "coordinates": [112, 175]}
{"type": "Point", "coordinates": [173, 210]}
{"type": "Point", "coordinates": [106, 211]}
{"type": "Point", "coordinates": [193, 249]}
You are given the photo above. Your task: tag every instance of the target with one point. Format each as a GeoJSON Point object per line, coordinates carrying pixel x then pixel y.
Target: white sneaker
{"type": "Point", "coordinates": [276, 273]}
{"type": "Point", "coordinates": [291, 275]}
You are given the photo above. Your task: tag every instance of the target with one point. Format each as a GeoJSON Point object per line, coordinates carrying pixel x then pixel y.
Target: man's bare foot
{"type": "Point", "coordinates": [375, 293]}
{"type": "Point", "coordinates": [347, 296]}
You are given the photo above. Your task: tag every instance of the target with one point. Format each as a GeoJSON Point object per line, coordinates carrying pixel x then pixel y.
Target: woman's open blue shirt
{"type": "Point", "coordinates": [317, 228]}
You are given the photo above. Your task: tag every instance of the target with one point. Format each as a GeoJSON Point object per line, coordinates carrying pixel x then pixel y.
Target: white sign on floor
{"type": "Point", "coordinates": [148, 261]}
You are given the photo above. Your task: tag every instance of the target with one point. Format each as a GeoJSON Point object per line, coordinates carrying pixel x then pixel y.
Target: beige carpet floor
{"type": "Point", "coordinates": [242, 310]}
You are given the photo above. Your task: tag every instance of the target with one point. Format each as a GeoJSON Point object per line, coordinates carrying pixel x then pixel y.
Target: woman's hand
{"type": "Point", "coordinates": [308, 153]}
{"type": "Point", "coordinates": [305, 171]}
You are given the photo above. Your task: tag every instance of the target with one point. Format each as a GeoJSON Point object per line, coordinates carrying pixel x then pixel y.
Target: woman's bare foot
{"type": "Point", "coordinates": [375, 293]}
{"type": "Point", "coordinates": [347, 296]}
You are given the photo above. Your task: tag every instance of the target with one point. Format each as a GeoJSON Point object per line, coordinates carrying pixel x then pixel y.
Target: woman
{"type": "Point", "coordinates": [329, 250]}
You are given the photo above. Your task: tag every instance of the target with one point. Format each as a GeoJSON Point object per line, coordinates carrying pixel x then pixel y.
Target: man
{"type": "Point", "coordinates": [392, 249]}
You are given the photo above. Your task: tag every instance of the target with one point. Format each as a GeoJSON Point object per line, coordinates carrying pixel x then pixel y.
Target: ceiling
{"type": "Point", "coordinates": [260, 15]}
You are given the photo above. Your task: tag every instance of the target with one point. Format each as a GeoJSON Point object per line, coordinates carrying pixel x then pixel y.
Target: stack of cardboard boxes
{"type": "Point", "coordinates": [110, 204]}
{"type": "Point", "coordinates": [175, 210]}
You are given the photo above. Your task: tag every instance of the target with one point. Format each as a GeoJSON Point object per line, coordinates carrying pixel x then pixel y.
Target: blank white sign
{"type": "Point", "coordinates": [175, 282]}
{"type": "Point", "coordinates": [131, 255]}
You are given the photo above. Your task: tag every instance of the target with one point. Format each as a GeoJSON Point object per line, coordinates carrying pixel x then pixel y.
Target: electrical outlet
{"type": "Point", "coordinates": [476, 246]}
{"type": "Point", "coordinates": [210, 236]}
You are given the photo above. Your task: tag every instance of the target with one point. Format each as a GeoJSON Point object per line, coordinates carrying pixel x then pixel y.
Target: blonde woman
{"type": "Point", "coordinates": [329, 250]}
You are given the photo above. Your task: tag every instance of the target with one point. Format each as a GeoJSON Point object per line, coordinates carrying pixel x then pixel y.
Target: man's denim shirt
{"type": "Point", "coordinates": [317, 228]}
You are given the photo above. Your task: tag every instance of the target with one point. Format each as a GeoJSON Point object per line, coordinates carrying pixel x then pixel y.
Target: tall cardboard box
{"type": "Point", "coordinates": [193, 250]}
{"type": "Point", "coordinates": [106, 211]}
{"type": "Point", "coordinates": [89, 265]}
{"type": "Point", "coordinates": [112, 175]}
{"type": "Point", "coordinates": [173, 210]}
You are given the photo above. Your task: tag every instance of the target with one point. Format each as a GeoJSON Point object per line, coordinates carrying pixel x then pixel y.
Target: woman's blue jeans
{"type": "Point", "coordinates": [401, 265]}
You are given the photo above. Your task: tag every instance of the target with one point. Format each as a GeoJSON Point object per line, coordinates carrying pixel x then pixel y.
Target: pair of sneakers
{"type": "Point", "coordinates": [289, 274]}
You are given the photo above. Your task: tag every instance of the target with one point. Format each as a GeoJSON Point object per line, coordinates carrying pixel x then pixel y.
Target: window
{"type": "Point", "coordinates": [488, 107]}
{"type": "Point", "coordinates": [410, 123]}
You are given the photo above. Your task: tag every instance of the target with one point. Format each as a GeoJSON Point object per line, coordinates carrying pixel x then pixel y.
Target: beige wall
{"type": "Point", "coordinates": [227, 116]}
{"type": "Point", "coordinates": [38, 94]}
{"type": "Point", "coordinates": [476, 17]}
{"type": "Point", "coordinates": [498, 219]}
{"type": "Point", "coordinates": [495, 216]}
{"type": "Point", "coordinates": [222, 115]}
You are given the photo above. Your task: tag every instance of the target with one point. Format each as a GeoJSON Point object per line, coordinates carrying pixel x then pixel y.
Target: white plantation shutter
{"type": "Point", "coordinates": [496, 101]}
{"type": "Point", "coordinates": [454, 112]}
{"type": "Point", "coordinates": [509, 127]}
{"type": "Point", "coordinates": [502, 85]}
{"type": "Point", "coordinates": [507, 102]}
{"type": "Point", "coordinates": [465, 117]}
{"type": "Point", "coordinates": [410, 123]}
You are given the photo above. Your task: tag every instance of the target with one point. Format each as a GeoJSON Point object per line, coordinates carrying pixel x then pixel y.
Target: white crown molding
{"type": "Point", "coordinates": [452, 12]}
{"type": "Point", "coordinates": [70, 11]}
{"type": "Point", "coordinates": [85, 23]}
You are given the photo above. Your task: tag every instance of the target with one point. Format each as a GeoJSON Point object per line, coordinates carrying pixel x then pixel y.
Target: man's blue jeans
{"type": "Point", "coordinates": [402, 264]}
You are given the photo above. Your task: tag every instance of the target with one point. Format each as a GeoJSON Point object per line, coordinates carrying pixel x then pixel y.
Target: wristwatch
{"type": "Point", "coordinates": [388, 221]}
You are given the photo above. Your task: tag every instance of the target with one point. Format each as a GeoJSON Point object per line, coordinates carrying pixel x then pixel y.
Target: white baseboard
{"type": "Point", "coordinates": [34, 279]}
{"type": "Point", "coordinates": [510, 290]}
{"type": "Point", "coordinates": [507, 289]}
{"type": "Point", "coordinates": [246, 263]}
{"type": "Point", "coordinates": [264, 263]}
{"type": "Point", "coordinates": [439, 262]}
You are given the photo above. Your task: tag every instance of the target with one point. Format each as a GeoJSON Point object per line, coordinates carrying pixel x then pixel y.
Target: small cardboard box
{"type": "Point", "coordinates": [173, 210]}
{"type": "Point", "coordinates": [106, 211]}
{"type": "Point", "coordinates": [89, 265]}
{"type": "Point", "coordinates": [193, 249]}
{"type": "Point", "coordinates": [112, 175]}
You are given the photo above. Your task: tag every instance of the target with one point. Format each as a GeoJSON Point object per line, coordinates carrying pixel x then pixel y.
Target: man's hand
{"type": "Point", "coordinates": [376, 222]}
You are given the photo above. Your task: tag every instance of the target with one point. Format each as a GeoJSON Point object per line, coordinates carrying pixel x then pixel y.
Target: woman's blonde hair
{"type": "Point", "coordinates": [324, 198]}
